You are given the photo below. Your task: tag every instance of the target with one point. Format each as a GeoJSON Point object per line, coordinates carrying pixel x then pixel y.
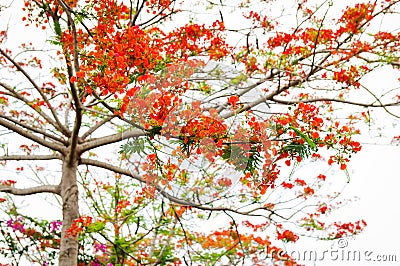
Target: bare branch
{"type": "Point", "coordinates": [56, 123]}
{"type": "Point", "coordinates": [138, 11]}
{"type": "Point", "coordinates": [22, 132]}
{"type": "Point", "coordinates": [249, 88]}
{"type": "Point", "coordinates": [97, 142]}
{"type": "Point", "coordinates": [126, 172]}
{"type": "Point", "coordinates": [54, 189]}
{"type": "Point", "coordinates": [34, 129]}
{"type": "Point", "coordinates": [13, 93]}
{"type": "Point", "coordinates": [74, 90]}
{"type": "Point", "coordinates": [29, 157]}
{"type": "Point", "coordinates": [380, 102]}
{"type": "Point", "coordinates": [334, 100]}
{"type": "Point", "coordinates": [110, 167]}
{"type": "Point", "coordinates": [262, 99]}
{"type": "Point", "coordinates": [96, 126]}
{"type": "Point", "coordinates": [170, 197]}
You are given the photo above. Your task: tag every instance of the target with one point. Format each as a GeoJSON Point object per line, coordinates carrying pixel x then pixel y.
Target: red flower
{"type": "Point", "coordinates": [233, 100]}
{"type": "Point", "coordinates": [122, 204]}
{"type": "Point", "coordinates": [7, 182]}
{"type": "Point", "coordinates": [152, 157]}
{"type": "Point", "coordinates": [287, 185]}
{"type": "Point", "coordinates": [300, 182]}
{"type": "Point", "coordinates": [287, 236]}
{"type": "Point", "coordinates": [77, 226]}
{"type": "Point", "coordinates": [224, 181]}
{"type": "Point", "coordinates": [308, 191]}
{"type": "Point", "coordinates": [323, 209]}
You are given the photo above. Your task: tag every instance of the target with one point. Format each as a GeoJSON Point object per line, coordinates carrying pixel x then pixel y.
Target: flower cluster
{"type": "Point", "coordinates": [78, 226]}
{"type": "Point", "coordinates": [287, 236]}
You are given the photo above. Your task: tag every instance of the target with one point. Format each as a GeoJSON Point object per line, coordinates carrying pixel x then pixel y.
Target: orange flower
{"type": "Point", "coordinates": [287, 236]}
{"type": "Point", "coordinates": [233, 100]}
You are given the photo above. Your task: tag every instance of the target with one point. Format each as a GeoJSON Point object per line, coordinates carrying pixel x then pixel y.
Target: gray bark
{"type": "Point", "coordinates": [70, 211]}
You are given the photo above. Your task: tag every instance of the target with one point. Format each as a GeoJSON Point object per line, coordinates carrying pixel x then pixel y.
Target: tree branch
{"type": "Point", "coordinates": [29, 157]}
{"type": "Point", "coordinates": [74, 90]}
{"type": "Point", "coordinates": [137, 177]}
{"type": "Point", "coordinates": [34, 129]}
{"type": "Point", "coordinates": [97, 142]}
{"type": "Point", "coordinates": [55, 189]}
{"type": "Point", "coordinates": [96, 126]}
{"type": "Point", "coordinates": [113, 110]}
{"type": "Point", "coordinates": [28, 135]}
{"type": "Point", "coordinates": [262, 99]}
{"type": "Point", "coordinates": [71, 22]}
{"type": "Point", "coordinates": [138, 11]}
{"type": "Point", "coordinates": [335, 100]}
{"type": "Point", "coordinates": [170, 197]}
{"type": "Point", "coordinates": [56, 123]}
{"type": "Point", "coordinates": [13, 93]}
{"type": "Point", "coordinates": [249, 88]}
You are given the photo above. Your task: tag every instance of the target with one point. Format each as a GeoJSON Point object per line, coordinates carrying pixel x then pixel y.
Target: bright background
{"type": "Point", "coordinates": [374, 179]}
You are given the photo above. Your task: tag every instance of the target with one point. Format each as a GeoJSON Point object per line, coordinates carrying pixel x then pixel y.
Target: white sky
{"type": "Point", "coordinates": [375, 179]}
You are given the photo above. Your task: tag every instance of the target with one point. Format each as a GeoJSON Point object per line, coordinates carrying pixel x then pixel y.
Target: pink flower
{"type": "Point", "coordinates": [55, 226]}
{"type": "Point", "coordinates": [16, 225]}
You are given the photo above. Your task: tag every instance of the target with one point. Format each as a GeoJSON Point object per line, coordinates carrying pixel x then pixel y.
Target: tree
{"type": "Point", "coordinates": [207, 114]}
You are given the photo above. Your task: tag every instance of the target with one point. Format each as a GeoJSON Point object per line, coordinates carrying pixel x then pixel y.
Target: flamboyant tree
{"type": "Point", "coordinates": [168, 116]}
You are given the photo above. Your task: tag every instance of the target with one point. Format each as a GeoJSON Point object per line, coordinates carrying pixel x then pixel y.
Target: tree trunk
{"type": "Point", "coordinates": [70, 211]}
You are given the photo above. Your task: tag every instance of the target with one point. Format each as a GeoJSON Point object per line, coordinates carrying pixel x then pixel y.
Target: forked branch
{"type": "Point", "coordinates": [174, 199]}
{"type": "Point", "coordinates": [56, 122]}
{"type": "Point", "coordinates": [110, 139]}
{"type": "Point", "coordinates": [22, 132]}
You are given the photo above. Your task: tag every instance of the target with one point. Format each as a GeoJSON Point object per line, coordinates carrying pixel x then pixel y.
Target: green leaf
{"type": "Point", "coordinates": [312, 224]}
{"type": "Point", "coordinates": [95, 227]}
{"type": "Point", "coordinates": [305, 137]}
{"type": "Point", "coordinates": [136, 146]}
{"type": "Point", "coordinates": [57, 29]}
{"type": "Point", "coordinates": [238, 79]}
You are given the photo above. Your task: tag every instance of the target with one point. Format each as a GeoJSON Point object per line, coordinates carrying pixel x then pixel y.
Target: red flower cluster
{"type": "Point", "coordinates": [287, 185]}
{"type": "Point", "coordinates": [204, 127]}
{"type": "Point", "coordinates": [345, 229]}
{"type": "Point", "coordinates": [78, 225]}
{"type": "Point", "coordinates": [7, 182]}
{"type": "Point", "coordinates": [287, 236]}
